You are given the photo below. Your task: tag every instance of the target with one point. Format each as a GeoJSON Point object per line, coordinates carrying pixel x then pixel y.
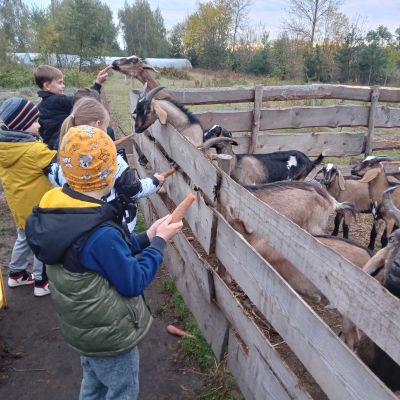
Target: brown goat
{"type": "Point", "coordinates": [305, 204]}
{"type": "Point", "coordinates": [377, 184]}
{"type": "Point", "coordinates": [353, 191]}
{"type": "Point", "coordinates": [384, 266]}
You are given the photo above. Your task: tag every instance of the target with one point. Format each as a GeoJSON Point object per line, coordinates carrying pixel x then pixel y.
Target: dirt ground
{"type": "Point", "coordinates": [36, 363]}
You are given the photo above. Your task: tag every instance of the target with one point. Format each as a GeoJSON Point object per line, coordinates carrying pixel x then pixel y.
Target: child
{"type": "Point", "coordinates": [22, 160]}
{"type": "Point", "coordinates": [55, 106]}
{"type": "Point", "coordinates": [96, 281]}
{"type": "Point", "coordinates": [90, 92]}
{"type": "Point", "coordinates": [88, 111]}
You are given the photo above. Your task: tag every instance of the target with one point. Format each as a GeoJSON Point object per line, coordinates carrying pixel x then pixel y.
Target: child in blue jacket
{"type": "Point", "coordinates": [95, 279]}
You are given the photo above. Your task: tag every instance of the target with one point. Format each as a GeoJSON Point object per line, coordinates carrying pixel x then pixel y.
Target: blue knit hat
{"type": "Point", "coordinates": [18, 114]}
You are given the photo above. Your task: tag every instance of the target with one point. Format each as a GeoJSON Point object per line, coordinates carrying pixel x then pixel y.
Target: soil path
{"type": "Point", "coordinates": [36, 363]}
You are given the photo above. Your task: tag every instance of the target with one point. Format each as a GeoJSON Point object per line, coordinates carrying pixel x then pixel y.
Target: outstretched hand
{"type": "Point", "coordinates": [103, 75]}
{"type": "Point", "coordinates": [164, 228]}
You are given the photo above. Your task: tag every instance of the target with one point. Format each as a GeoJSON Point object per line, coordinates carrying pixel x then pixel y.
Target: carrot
{"type": "Point", "coordinates": [182, 208]}
{"type": "Point", "coordinates": [173, 330]}
{"type": "Point", "coordinates": [106, 69]}
{"type": "Point", "coordinates": [168, 172]}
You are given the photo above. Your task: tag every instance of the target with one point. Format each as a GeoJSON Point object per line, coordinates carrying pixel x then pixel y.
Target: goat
{"type": "Point", "coordinates": [377, 184]}
{"type": "Point", "coordinates": [254, 169]}
{"type": "Point", "coordinates": [384, 266]}
{"type": "Point", "coordinates": [134, 67]}
{"type": "Point", "coordinates": [305, 204]}
{"type": "Point", "coordinates": [353, 191]}
{"type": "Point", "coordinates": [166, 110]}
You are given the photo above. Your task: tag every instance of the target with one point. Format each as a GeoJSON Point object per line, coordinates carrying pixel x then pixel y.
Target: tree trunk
{"type": "Point", "coordinates": [314, 22]}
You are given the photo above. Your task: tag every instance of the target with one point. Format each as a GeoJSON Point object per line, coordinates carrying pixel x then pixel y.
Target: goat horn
{"type": "Point", "coordinates": [153, 92]}
{"type": "Point", "coordinates": [143, 91]}
{"type": "Point", "coordinates": [214, 141]}
{"type": "Point", "coordinates": [388, 204]}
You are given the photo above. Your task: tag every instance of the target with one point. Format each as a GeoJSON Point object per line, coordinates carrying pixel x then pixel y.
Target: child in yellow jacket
{"type": "Point", "coordinates": [23, 156]}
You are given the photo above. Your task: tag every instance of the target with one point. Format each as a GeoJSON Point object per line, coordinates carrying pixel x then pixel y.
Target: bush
{"type": "Point", "coordinates": [78, 79]}
{"type": "Point", "coordinates": [14, 75]}
{"type": "Point", "coordinates": [173, 73]}
{"type": "Point", "coordinates": [260, 63]}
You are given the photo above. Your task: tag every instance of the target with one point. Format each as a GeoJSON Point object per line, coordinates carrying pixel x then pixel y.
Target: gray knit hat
{"type": "Point", "coordinates": [18, 114]}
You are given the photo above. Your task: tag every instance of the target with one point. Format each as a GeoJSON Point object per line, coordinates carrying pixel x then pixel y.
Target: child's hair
{"type": "Point", "coordinates": [85, 111]}
{"type": "Point", "coordinates": [46, 73]}
{"type": "Point", "coordinates": [86, 92]}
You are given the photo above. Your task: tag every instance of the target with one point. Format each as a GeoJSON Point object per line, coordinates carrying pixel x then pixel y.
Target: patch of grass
{"type": "Point", "coordinates": [140, 224]}
{"type": "Point", "coordinates": [220, 383]}
{"type": "Point", "coordinates": [197, 348]}
{"type": "Point", "coordinates": [159, 309]}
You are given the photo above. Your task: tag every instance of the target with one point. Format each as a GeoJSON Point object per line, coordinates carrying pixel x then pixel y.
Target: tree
{"type": "Point", "coordinates": [85, 28]}
{"type": "Point", "coordinates": [373, 57]}
{"type": "Point", "coordinates": [176, 40]}
{"type": "Point", "coordinates": [143, 30]}
{"type": "Point", "coordinates": [240, 12]}
{"type": "Point", "coordinates": [306, 17]}
{"type": "Point", "coordinates": [207, 33]}
{"type": "Point", "coordinates": [347, 55]}
{"type": "Point", "coordinates": [14, 25]}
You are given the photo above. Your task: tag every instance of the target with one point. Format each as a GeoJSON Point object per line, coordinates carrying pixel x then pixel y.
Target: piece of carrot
{"type": "Point", "coordinates": [173, 330]}
{"type": "Point", "coordinates": [106, 69]}
{"type": "Point", "coordinates": [168, 172]}
{"type": "Point", "coordinates": [182, 208]}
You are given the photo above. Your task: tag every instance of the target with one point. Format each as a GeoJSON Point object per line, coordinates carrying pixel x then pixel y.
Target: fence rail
{"type": "Point", "coordinates": [258, 367]}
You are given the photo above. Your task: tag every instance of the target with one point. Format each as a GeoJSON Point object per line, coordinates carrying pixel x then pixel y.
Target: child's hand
{"type": "Point", "coordinates": [103, 75]}
{"type": "Point", "coordinates": [165, 229]}
{"type": "Point", "coordinates": [160, 178]}
{"type": "Point", "coordinates": [151, 232]}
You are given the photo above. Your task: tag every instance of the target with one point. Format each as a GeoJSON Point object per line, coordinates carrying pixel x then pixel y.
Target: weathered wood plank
{"type": "Point", "coordinates": [386, 142]}
{"type": "Point", "coordinates": [339, 373]}
{"type": "Point", "coordinates": [199, 216]}
{"type": "Point", "coordinates": [256, 118]}
{"type": "Point", "coordinates": [281, 93]}
{"type": "Point", "coordinates": [251, 372]}
{"type": "Point", "coordinates": [302, 117]}
{"type": "Point", "coordinates": [312, 144]}
{"type": "Point", "coordinates": [252, 336]}
{"type": "Point", "coordinates": [238, 365]}
{"type": "Point", "coordinates": [371, 120]}
{"type": "Point", "coordinates": [201, 172]}
{"type": "Point", "coordinates": [198, 266]}
{"type": "Point", "coordinates": [209, 317]}
{"type": "Point", "coordinates": [372, 308]}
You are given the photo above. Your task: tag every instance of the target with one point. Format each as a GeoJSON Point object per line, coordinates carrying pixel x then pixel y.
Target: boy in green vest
{"type": "Point", "coordinates": [96, 281]}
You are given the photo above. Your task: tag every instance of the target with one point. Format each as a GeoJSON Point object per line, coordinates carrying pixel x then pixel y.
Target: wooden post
{"type": "Point", "coordinates": [225, 162]}
{"type": "Point", "coordinates": [371, 120]}
{"type": "Point", "coordinates": [258, 94]}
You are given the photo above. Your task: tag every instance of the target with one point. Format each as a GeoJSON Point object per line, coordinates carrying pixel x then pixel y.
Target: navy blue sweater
{"type": "Point", "coordinates": [107, 253]}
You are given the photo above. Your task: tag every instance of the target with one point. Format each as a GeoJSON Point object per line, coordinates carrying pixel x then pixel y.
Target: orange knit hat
{"type": "Point", "coordinates": [88, 158]}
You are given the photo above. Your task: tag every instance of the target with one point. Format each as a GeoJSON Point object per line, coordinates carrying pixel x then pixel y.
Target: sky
{"type": "Point", "coordinates": [271, 13]}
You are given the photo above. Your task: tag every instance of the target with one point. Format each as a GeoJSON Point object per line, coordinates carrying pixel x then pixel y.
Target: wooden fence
{"type": "Point", "coordinates": [258, 367]}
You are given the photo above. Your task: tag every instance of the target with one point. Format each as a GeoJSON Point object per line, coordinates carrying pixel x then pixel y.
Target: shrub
{"type": "Point", "coordinates": [173, 73]}
{"type": "Point", "coordinates": [78, 79]}
{"type": "Point", "coordinates": [15, 75]}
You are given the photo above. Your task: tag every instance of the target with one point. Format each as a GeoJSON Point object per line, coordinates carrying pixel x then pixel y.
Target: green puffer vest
{"type": "Point", "coordinates": [95, 319]}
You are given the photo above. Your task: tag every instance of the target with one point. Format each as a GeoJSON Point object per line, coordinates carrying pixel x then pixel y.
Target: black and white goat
{"type": "Point", "coordinates": [254, 169]}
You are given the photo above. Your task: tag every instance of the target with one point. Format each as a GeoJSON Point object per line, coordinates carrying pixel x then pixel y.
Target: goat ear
{"type": "Point", "coordinates": [342, 182]}
{"type": "Point", "coordinates": [370, 175]}
{"type": "Point", "coordinates": [161, 113]}
{"type": "Point", "coordinates": [247, 228]}
{"type": "Point", "coordinates": [376, 262]}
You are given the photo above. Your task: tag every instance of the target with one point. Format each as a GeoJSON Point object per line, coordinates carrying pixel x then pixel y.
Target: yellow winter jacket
{"type": "Point", "coordinates": [22, 160]}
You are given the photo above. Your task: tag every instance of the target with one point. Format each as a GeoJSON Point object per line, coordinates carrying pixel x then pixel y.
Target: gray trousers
{"type": "Point", "coordinates": [21, 256]}
{"type": "Point", "coordinates": [111, 378]}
